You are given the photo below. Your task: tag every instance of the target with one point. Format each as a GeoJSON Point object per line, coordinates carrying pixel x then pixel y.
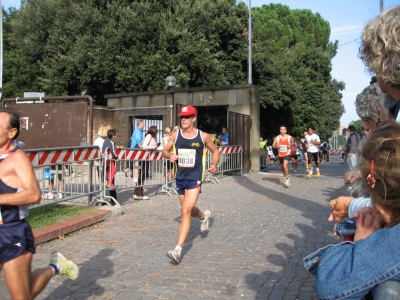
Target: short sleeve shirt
{"type": "Point", "coordinates": [311, 146]}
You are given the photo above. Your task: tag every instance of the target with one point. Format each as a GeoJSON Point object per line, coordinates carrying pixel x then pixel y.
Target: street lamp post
{"type": "Point", "coordinates": [170, 81]}
{"type": "Point", "coordinates": [250, 68]}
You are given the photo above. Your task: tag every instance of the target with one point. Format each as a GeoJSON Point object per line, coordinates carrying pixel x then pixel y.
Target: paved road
{"type": "Point", "coordinates": [259, 233]}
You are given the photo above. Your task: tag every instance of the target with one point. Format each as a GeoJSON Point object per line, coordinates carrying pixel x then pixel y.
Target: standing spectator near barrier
{"type": "Point", "coordinates": [303, 143]}
{"type": "Point", "coordinates": [189, 145]}
{"type": "Point", "coordinates": [149, 143]}
{"type": "Point", "coordinates": [300, 150]}
{"type": "Point", "coordinates": [324, 151]}
{"type": "Point", "coordinates": [101, 136]}
{"type": "Point", "coordinates": [19, 189]}
{"type": "Point", "coordinates": [351, 148]}
{"type": "Point", "coordinates": [111, 169]}
{"type": "Point", "coordinates": [343, 158]}
{"type": "Point", "coordinates": [137, 135]}
{"type": "Point", "coordinates": [136, 142]}
{"type": "Point", "coordinates": [169, 166]}
{"type": "Point", "coordinates": [224, 138]}
{"type": "Point", "coordinates": [293, 155]}
{"type": "Point", "coordinates": [49, 173]}
{"type": "Point", "coordinates": [262, 143]}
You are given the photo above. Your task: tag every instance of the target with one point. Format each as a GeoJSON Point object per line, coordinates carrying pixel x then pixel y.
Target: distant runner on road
{"type": "Point", "coordinates": [283, 143]}
{"type": "Point", "coordinates": [313, 142]}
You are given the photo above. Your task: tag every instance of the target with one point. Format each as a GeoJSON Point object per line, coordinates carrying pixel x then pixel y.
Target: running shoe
{"type": "Point", "coordinates": [66, 267]}
{"type": "Point", "coordinates": [175, 255]}
{"type": "Point", "coordinates": [295, 172]}
{"type": "Point", "coordinates": [204, 223]}
{"type": "Point", "coordinates": [318, 173]}
{"type": "Point", "coordinates": [287, 182]}
{"type": "Point", "coordinates": [309, 175]}
{"type": "Point", "coordinates": [136, 197]}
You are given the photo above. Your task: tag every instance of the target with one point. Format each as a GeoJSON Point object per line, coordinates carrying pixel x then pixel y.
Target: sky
{"type": "Point", "coordinates": [346, 18]}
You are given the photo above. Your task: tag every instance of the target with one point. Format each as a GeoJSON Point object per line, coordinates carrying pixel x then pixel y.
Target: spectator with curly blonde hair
{"type": "Point", "coordinates": [380, 52]}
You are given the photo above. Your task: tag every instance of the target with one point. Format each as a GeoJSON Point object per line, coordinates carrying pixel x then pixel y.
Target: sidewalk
{"type": "Point", "coordinates": [259, 232]}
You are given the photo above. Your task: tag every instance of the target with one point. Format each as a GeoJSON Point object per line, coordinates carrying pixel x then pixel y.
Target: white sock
{"type": "Point", "coordinates": [311, 171]}
{"type": "Point", "coordinates": [178, 248]}
{"type": "Point", "coordinates": [55, 268]}
{"type": "Point", "coordinates": [317, 169]}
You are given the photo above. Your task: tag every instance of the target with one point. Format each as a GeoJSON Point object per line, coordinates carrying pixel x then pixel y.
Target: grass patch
{"type": "Point", "coordinates": [50, 214]}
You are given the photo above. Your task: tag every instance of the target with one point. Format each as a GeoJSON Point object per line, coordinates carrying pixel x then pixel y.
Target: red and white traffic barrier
{"type": "Point", "coordinates": [61, 156]}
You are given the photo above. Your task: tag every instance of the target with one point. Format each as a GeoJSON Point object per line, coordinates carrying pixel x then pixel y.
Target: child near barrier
{"type": "Point", "coordinates": [111, 169]}
{"type": "Point", "coordinates": [352, 270]}
{"type": "Point", "coordinates": [49, 175]}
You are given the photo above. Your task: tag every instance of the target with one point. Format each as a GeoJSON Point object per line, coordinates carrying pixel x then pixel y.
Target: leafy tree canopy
{"type": "Point", "coordinates": [64, 47]}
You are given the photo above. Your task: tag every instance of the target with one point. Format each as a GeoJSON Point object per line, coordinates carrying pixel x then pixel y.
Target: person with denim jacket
{"type": "Point", "coordinates": [350, 270]}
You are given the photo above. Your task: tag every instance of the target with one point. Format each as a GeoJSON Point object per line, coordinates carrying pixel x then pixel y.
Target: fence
{"type": "Point", "coordinates": [266, 156]}
{"type": "Point", "coordinates": [137, 168]}
{"type": "Point", "coordinates": [65, 173]}
{"type": "Point", "coordinates": [336, 155]}
{"type": "Point", "coordinates": [230, 161]}
{"type": "Point", "coordinates": [70, 173]}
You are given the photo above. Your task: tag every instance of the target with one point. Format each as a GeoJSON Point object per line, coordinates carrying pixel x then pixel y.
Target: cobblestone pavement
{"type": "Point", "coordinates": [259, 232]}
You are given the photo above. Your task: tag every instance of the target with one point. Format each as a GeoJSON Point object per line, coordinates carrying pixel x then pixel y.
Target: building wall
{"type": "Point", "coordinates": [121, 108]}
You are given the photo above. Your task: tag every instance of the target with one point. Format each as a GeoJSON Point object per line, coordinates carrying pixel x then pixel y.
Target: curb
{"type": "Point", "coordinates": [54, 231]}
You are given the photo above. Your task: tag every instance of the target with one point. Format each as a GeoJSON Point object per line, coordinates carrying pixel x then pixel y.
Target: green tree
{"type": "Point", "coordinates": [341, 141]}
{"type": "Point", "coordinates": [124, 46]}
{"type": "Point", "coordinates": [64, 47]}
{"type": "Point", "coordinates": [292, 65]}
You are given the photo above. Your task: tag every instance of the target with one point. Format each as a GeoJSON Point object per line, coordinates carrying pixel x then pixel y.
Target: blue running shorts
{"type": "Point", "coordinates": [182, 185]}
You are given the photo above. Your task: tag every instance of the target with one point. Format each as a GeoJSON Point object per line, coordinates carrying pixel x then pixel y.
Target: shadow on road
{"type": "Point", "coordinates": [97, 267]}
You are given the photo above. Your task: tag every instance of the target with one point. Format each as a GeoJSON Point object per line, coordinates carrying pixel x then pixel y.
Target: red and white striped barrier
{"type": "Point", "coordinates": [137, 154]}
{"type": "Point", "coordinates": [228, 149]}
{"type": "Point", "coordinates": [62, 155]}
{"type": "Point", "coordinates": [335, 151]}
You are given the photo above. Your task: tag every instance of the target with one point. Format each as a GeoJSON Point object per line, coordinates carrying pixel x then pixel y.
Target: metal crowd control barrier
{"type": "Point", "coordinates": [66, 173]}
{"type": "Point", "coordinates": [70, 173]}
{"type": "Point", "coordinates": [138, 168]}
{"type": "Point", "coordinates": [230, 160]}
{"type": "Point", "coordinates": [264, 160]}
{"type": "Point", "coordinates": [335, 154]}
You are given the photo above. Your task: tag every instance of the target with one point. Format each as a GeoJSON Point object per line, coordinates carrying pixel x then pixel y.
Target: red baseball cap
{"type": "Point", "coordinates": [187, 110]}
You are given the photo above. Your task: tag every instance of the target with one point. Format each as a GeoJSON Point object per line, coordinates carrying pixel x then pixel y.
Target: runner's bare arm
{"type": "Point", "coordinates": [275, 143]}
{"type": "Point", "coordinates": [20, 175]}
{"type": "Point", "coordinates": [166, 152]}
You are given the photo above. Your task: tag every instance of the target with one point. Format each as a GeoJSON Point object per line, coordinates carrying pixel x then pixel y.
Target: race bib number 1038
{"type": "Point", "coordinates": [187, 158]}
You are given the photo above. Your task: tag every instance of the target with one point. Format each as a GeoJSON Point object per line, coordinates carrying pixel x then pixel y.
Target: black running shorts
{"type": "Point", "coordinates": [15, 238]}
